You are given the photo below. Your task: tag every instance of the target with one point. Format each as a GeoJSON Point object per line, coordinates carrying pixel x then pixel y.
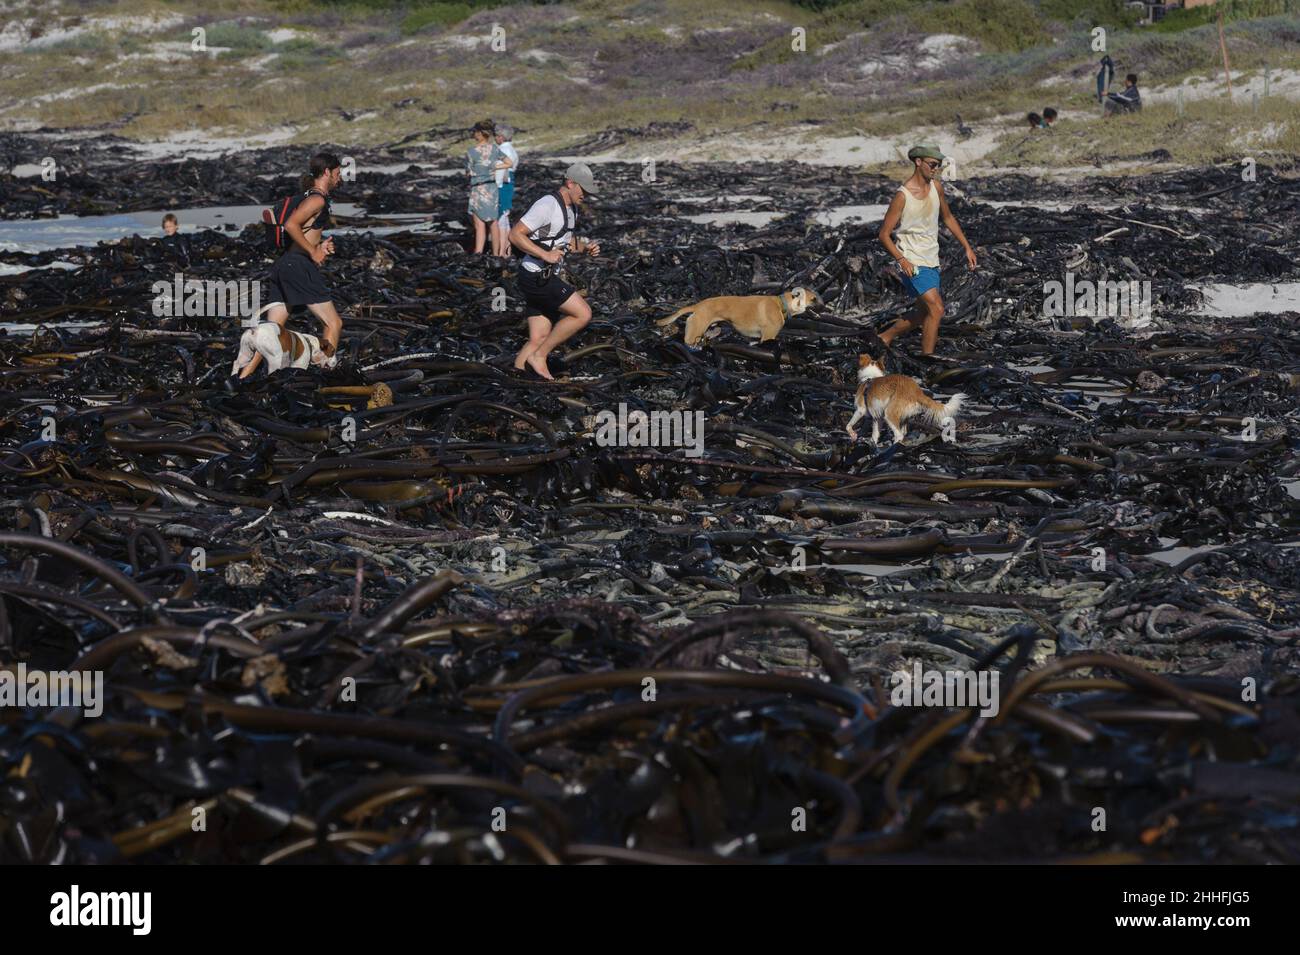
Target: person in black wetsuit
{"type": "Point", "coordinates": [178, 246]}
{"type": "Point", "coordinates": [295, 279]}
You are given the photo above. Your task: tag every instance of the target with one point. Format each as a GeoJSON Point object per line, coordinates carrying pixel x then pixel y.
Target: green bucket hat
{"type": "Point", "coordinates": [926, 151]}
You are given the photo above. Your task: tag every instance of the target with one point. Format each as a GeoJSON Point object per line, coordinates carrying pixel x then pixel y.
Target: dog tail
{"type": "Point", "coordinates": [675, 315]}
{"type": "Point", "coordinates": [938, 411]}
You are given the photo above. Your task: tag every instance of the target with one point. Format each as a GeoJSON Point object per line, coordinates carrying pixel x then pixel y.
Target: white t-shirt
{"type": "Point", "coordinates": [502, 174]}
{"type": "Point", "coordinates": [547, 216]}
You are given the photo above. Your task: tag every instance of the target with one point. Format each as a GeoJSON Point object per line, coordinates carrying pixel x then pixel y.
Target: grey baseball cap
{"type": "Point", "coordinates": [580, 173]}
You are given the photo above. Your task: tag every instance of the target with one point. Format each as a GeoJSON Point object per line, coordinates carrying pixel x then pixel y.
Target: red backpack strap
{"type": "Point", "coordinates": [280, 220]}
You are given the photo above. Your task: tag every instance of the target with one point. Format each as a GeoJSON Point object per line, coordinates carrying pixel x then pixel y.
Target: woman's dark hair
{"type": "Point", "coordinates": [321, 163]}
{"type": "Point", "coordinates": [1035, 119]}
{"type": "Point", "coordinates": [484, 126]}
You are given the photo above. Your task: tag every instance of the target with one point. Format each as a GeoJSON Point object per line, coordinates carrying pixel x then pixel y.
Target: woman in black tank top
{"type": "Point", "coordinates": [317, 224]}
{"type": "Point", "coordinates": [295, 279]}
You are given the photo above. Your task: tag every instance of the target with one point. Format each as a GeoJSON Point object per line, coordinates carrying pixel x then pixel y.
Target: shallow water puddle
{"type": "Point", "coordinates": [1032, 369]}
{"type": "Point", "coordinates": [756, 219]}
{"type": "Point", "coordinates": [1176, 555]}
{"type": "Point", "coordinates": [1105, 205]}
{"type": "Point", "coordinates": [41, 235]}
{"type": "Point", "coordinates": [20, 328]}
{"type": "Point", "coordinates": [869, 570]}
{"type": "Point", "coordinates": [738, 197]}
{"type": "Point", "coordinates": [841, 215]}
{"type": "Point", "coordinates": [1235, 301]}
{"type": "Point", "coordinates": [7, 269]}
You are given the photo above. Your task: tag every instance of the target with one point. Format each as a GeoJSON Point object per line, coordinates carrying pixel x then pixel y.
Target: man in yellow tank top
{"type": "Point", "coordinates": [915, 212]}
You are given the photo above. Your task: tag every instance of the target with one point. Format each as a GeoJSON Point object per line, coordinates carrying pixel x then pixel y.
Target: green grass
{"type": "Point", "coordinates": [999, 25]}
{"type": "Point", "coordinates": [222, 95]}
{"type": "Point", "coordinates": [1206, 132]}
{"type": "Point", "coordinates": [439, 15]}
{"type": "Point", "coordinates": [1232, 10]}
{"type": "Point", "coordinates": [84, 43]}
{"type": "Point", "coordinates": [861, 13]}
{"type": "Point", "coordinates": [1091, 12]}
{"type": "Point", "coordinates": [238, 38]}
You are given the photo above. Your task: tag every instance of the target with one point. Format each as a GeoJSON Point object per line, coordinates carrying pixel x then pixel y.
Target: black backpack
{"type": "Point", "coordinates": [274, 218]}
{"type": "Point", "coordinates": [548, 242]}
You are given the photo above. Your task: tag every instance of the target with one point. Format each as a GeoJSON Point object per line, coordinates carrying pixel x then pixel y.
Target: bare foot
{"type": "Point", "coordinates": [539, 365]}
{"type": "Point", "coordinates": [522, 357]}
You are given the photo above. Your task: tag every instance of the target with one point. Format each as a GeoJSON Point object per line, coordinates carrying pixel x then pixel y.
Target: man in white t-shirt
{"type": "Point", "coordinates": [505, 190]}
{"type": "Point", "coordinates": [556, 311]}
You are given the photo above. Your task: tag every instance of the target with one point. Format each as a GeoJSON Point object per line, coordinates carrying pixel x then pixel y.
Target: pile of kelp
{"type": "Point", "coordinates": [412, 609]}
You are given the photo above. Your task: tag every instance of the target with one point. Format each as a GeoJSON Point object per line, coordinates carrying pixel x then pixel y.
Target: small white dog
{"type": "Point", "coordinates": [265, 339]}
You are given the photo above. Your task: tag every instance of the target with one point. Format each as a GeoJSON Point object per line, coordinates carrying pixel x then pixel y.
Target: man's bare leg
{"type": "Point", "coordinates": [329, 317]}
{"type": "Point", "coordinates": [933, 314]}
{"type": "Point", "coordinates": [577, 313]}
{"type": "Point", "coordinates": [539, 326]}
{"type": "Point", "coordinates": [908, 321]}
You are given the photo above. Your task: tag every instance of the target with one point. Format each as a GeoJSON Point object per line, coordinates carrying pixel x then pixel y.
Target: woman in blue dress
{"type": "Point", "coordinates": [482, 160]}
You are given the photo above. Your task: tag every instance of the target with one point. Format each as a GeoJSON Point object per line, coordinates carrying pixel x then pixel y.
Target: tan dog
{"type": "Point", "coordinates": [755, 316]}
{"type": "Point", "coordinates": [896, 398]}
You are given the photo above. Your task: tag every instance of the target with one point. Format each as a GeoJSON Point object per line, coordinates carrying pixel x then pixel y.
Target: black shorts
{"type": "Point", "coordinates": [295, 280]}
{"type": "Point", "coordinates": [544, 296]}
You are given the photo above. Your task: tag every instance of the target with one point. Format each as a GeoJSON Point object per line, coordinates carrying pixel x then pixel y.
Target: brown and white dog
{"type": "Point", "coordinates": [268, 339]}
{"type": "Point", "coordinates": [896, 398]}
{"type": "Point", "coordinates": [755, 316]}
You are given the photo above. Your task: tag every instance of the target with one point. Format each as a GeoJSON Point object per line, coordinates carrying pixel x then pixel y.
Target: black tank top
{"type": "Point", "coordinates": [321, 220]}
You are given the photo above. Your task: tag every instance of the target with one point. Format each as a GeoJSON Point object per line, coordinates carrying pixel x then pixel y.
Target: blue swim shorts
{"type": "Point", "coordinates": [925, 279]}
{"type": "Point", "coordinates": [506, 197]}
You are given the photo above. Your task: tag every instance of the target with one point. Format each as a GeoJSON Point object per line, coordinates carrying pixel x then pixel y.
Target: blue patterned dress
{"type": "Point", "coordinates": [483, 197]}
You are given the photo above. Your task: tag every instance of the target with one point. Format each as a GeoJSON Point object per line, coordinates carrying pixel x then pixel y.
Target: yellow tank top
{"type": "Point", "coordinates": [917, 236]}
